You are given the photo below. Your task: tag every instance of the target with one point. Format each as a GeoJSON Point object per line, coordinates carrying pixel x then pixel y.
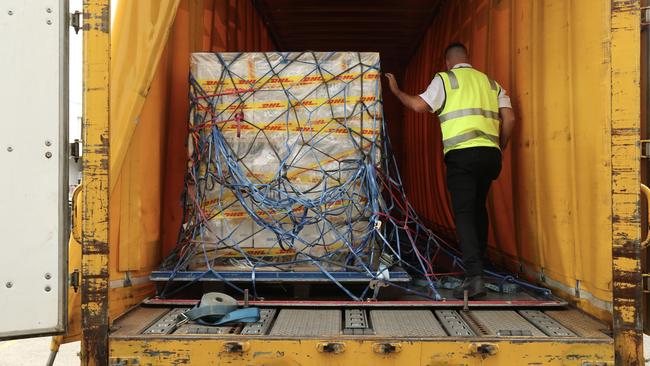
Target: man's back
{"type": "Point", "coordinates": [469, 116]}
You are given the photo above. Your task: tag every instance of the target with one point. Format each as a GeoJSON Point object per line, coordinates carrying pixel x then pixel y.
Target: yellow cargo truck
{"type": "Point", "coordinates": [577, 78]}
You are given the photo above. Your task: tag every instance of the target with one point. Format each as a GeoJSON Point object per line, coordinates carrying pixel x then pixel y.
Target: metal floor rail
{"type": "Point", "coordinates": [387, 322]}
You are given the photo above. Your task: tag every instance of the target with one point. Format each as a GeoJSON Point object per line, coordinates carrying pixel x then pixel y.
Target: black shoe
{"type": "Point", "coordinates": [475, 287]}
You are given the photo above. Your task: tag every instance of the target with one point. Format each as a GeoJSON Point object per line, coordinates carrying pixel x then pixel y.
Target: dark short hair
{"type": "Point", "coordinates": [455, 47]}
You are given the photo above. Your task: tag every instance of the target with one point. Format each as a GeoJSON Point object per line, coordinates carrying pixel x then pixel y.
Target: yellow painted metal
{"type": "Point", "coordinates": [94, 259]}
{"type": "Point", "coordinates": [625, 133]}
{"type": "Point", "coordinates": [207, 352]}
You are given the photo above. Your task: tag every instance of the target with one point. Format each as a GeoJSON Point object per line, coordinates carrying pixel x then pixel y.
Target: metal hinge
{"type": "Point", "coordinates": [75, 21]}
{"type": "Point", "coordinates": [75, 150]}
{"type": "Point", "coordinates": [645, 283]}
{"type": "Point", "coordinates": [645, 149]}
{"type": "Point", "coordinates": [645, 15]}
{"type": "Point", "coordinates": [74, 280]}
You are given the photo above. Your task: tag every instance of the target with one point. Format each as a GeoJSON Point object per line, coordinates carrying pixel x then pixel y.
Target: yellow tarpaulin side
{"type": "Point", "coordinates": [139, 36]}
{"type": "Point", "coordinates": [563, 166]}
{"type": "Point", "coordinates": [137, 106]}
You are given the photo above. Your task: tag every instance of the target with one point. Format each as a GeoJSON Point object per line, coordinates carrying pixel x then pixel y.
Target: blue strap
{"type": "Point", "coordinates": [246, 315]}
{"type": "Point", "coordinates": [215, 312]}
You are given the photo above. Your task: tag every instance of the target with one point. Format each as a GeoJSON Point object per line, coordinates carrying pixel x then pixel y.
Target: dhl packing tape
{"type": "Point", "coordinates": [214, 213]}
{"type": "Point", "coordinates": [285, 104]}
{"type": "Point", "coordinates": [281, 82]}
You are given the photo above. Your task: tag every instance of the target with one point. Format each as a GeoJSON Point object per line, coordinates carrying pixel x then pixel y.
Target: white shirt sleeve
{"type": "Point", "coordinates": [504, 99]}
{"type": "Point", "coordinates": [434, 96]}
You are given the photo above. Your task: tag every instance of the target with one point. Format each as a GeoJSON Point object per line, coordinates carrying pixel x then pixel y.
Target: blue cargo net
{"type": "Point", "coordinates": [292, 178]}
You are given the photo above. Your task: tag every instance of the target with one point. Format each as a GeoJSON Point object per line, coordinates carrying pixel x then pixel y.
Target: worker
{"type": "Point", "coordinates": [476, 119]}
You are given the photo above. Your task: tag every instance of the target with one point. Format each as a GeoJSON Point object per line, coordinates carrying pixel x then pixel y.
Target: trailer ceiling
{"type": "Point", "coordinates": [393, 28]}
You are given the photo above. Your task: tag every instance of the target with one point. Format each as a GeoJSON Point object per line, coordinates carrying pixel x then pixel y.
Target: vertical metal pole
{"type": "Point", "coordinates": [625, 133]}
{"type": "Point", "coordinates": [94, 260]}
{"type": "Point", "coordinates": [645, 129]}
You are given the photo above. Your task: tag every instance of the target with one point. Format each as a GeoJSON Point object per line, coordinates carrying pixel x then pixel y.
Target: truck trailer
{"type": "Point", "coordinates": [568, 213]}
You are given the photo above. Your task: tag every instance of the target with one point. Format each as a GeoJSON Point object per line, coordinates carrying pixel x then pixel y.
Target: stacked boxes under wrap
{"type": "Point", "coordinates": [298, 127]}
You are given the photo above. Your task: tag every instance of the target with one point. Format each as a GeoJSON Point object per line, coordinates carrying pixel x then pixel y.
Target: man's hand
{"type": "Point", "coordinates": [392, 83]}
{"type": "Point", "coordinates": [412, 102]}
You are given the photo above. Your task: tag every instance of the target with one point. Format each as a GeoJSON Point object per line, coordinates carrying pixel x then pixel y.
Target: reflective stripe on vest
{"type": "Point", "coordinates": [493, 84]}
{"type": "Point", "coordinates": [453, 141]}
{"type": "Point", "coordinates": [453, 82]}
{"type": "Point", "coordinates": [470, 114]}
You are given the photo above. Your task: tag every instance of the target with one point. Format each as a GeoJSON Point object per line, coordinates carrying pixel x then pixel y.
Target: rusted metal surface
{"type": "Point", "coordinates": [214, 350]}
{"type": "Point", "coordinates": [645, 163]}
{"type": "Point", "coordinates": [625, 133]}
{"type": "Point", "coordinates": [392, 28]}
{"type": "Point", "coordinates": [94, 268]}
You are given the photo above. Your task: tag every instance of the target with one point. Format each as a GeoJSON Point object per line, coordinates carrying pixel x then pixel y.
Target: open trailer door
{"type": "Point", "coordinates": [34, 163]}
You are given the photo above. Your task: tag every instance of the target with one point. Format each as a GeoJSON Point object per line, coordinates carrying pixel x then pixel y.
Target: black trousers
{"type": "Point", "coordinates": [470, 173]}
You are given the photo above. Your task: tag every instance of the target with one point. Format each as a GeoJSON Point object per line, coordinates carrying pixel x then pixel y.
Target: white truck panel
{"type": "Point", "coordinates": [33, 159]}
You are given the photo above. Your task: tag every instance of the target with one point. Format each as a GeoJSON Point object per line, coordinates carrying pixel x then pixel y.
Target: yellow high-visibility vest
{"type": "Point", "coordinates": [470, 115]}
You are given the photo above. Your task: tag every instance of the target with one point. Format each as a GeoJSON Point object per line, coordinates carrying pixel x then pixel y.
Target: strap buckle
{"type": "Point", "coordinates": [181, 319]}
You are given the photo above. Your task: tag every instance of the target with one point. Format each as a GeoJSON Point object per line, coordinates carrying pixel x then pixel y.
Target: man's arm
{"type": "Point", "coordinates": [413, 102]}
{"type": "Point", "coordinates": [507, 125]}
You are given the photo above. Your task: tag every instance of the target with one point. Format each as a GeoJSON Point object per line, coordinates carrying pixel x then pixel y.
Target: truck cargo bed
{"type": "Point", "coordinates": [147, 321]}
{"type": "Point", "coordinates": [393, 335]}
